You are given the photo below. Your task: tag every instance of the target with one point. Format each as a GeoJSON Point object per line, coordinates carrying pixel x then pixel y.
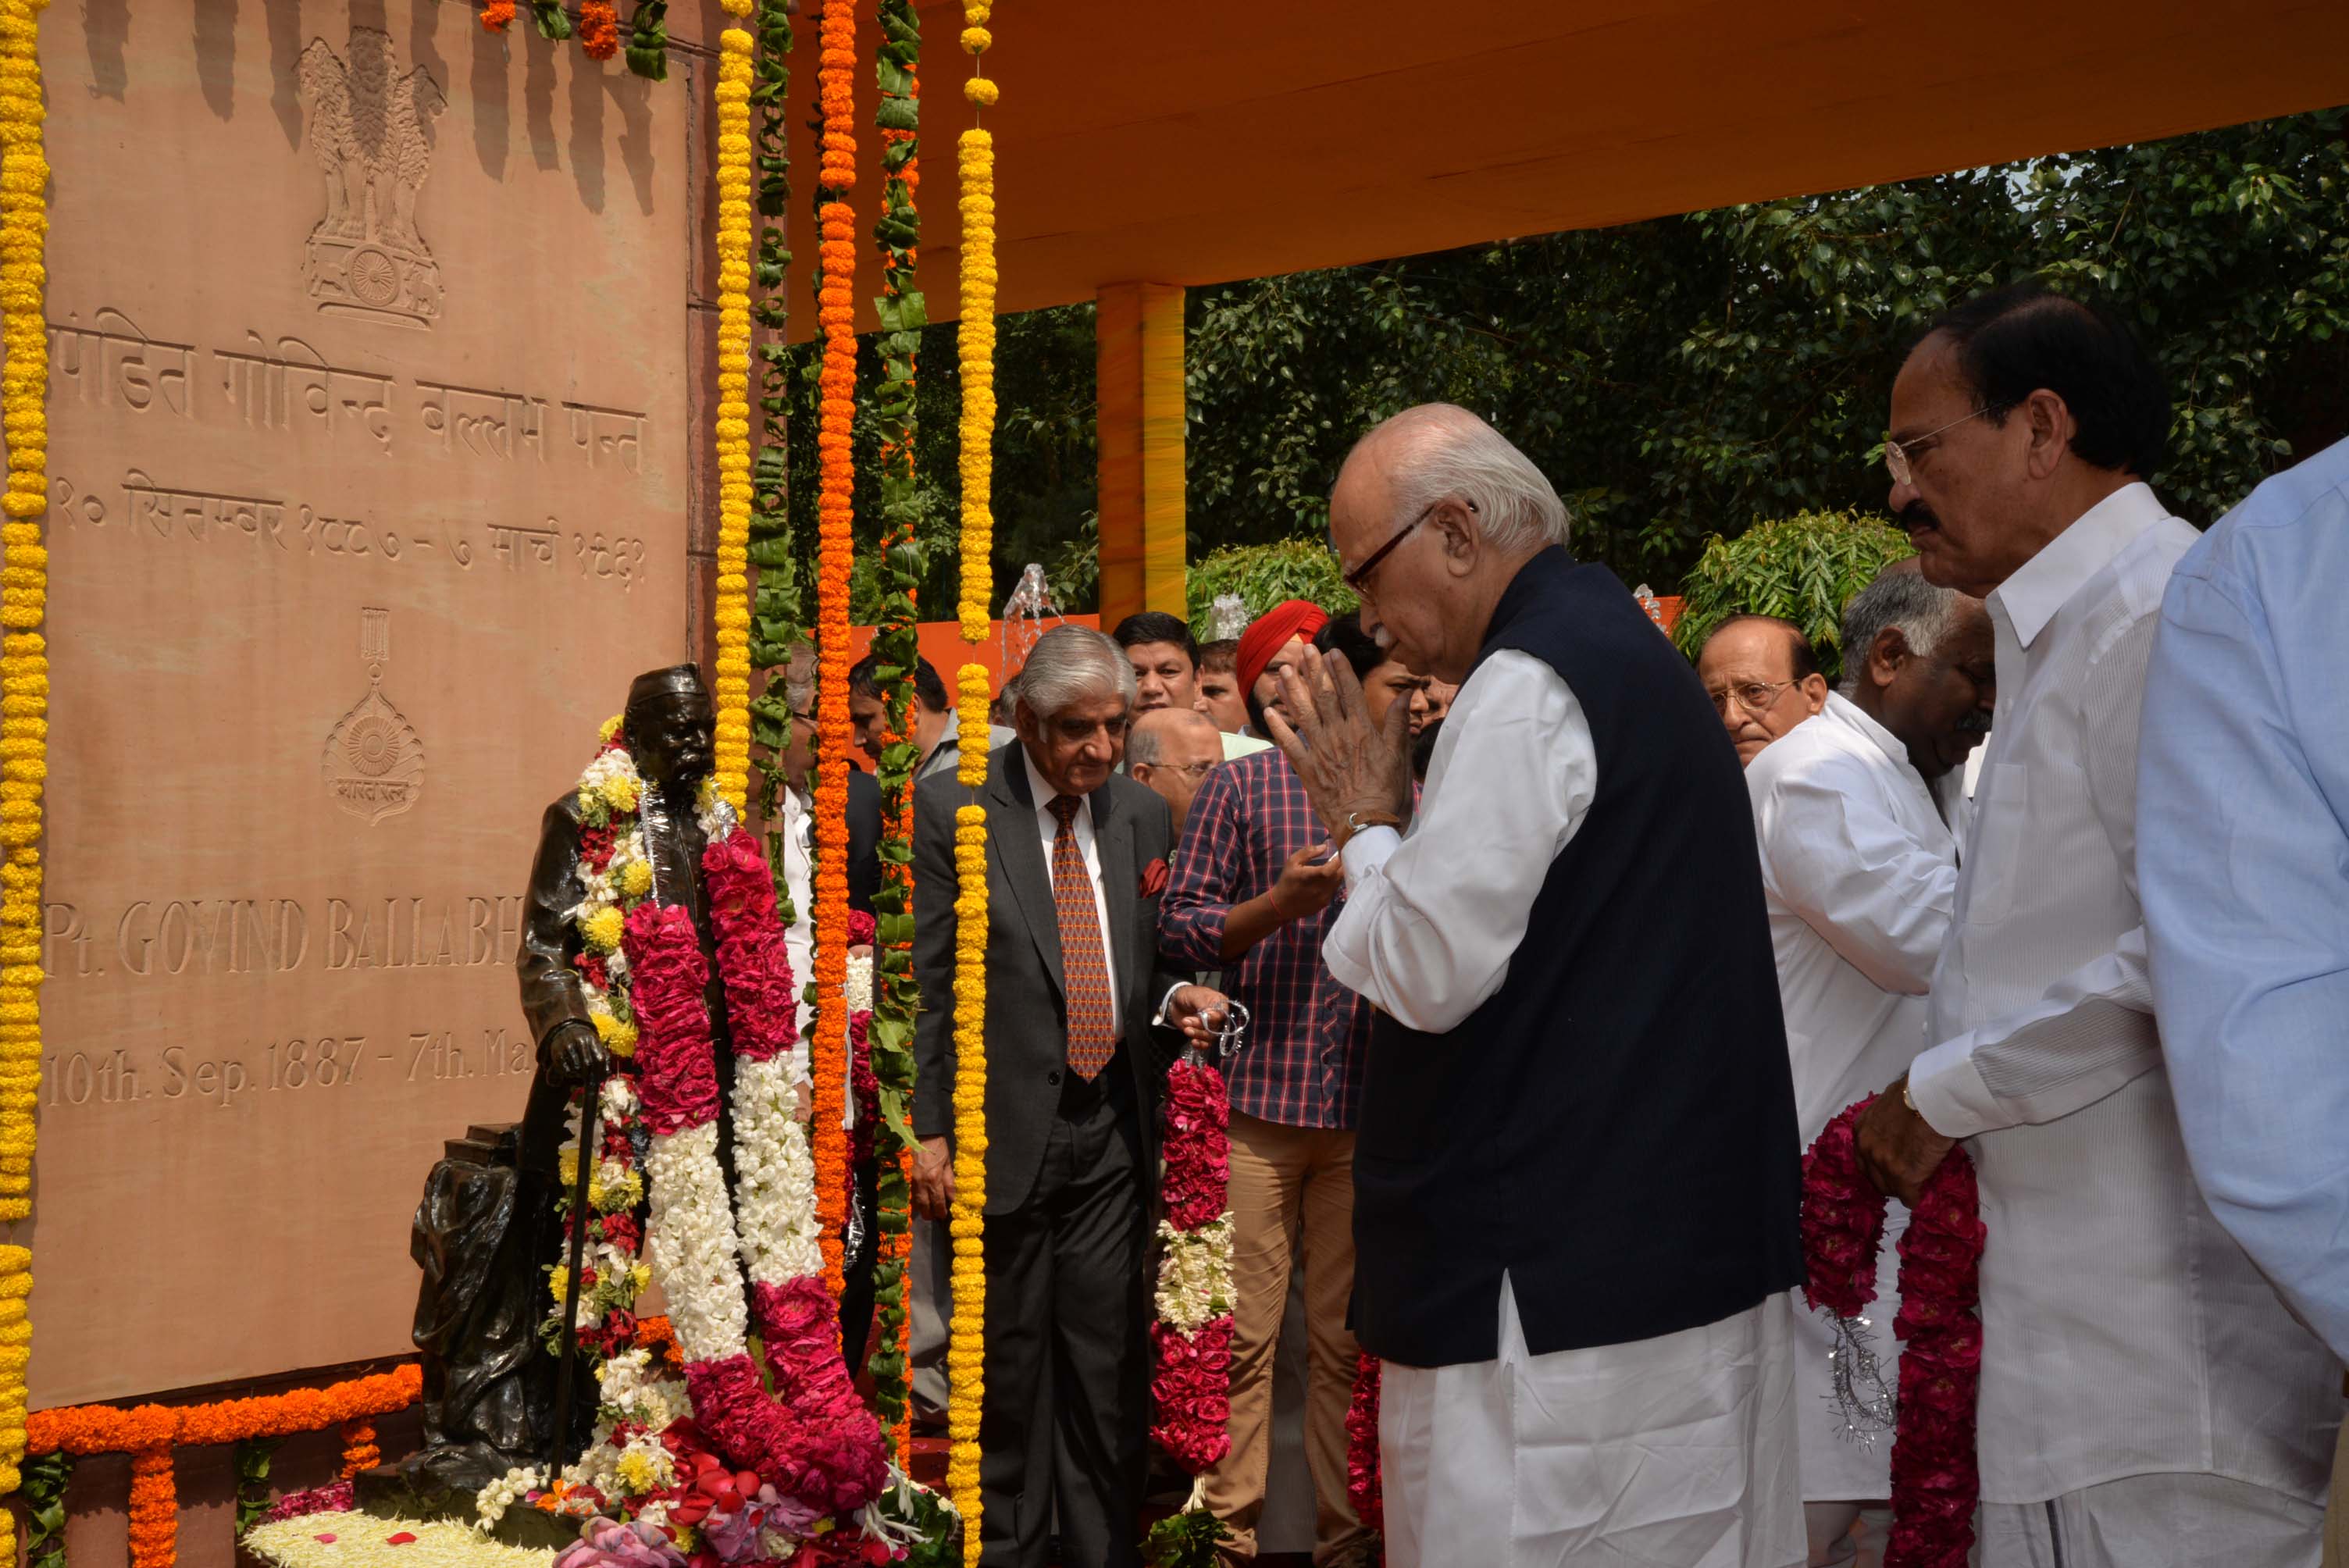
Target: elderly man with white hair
{"type": "Point", "coordinates": [1076, 1056]}
{"type": "Point", "coordinates": [1576, 1174]}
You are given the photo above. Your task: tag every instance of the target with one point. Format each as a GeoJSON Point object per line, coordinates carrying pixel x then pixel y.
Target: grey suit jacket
{"type": "Point", "coordinates": [1027, 1007]}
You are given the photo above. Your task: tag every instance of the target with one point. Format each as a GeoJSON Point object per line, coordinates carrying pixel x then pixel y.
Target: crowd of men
{"type": "Point", "coordinates": [1557, 953]}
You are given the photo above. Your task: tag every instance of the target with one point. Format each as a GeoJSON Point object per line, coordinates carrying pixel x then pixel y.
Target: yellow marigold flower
{"type": "Point", "coordinates": [619, 792]}
{"type": "Point", "coordinates": [637, 877]}
{"type": "Point", "coordinates": [602, 930]}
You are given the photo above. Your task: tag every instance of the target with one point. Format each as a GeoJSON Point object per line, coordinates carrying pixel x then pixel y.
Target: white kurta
{"type": "Point", "coordinates": [1677, 1450]}
{"type": "Point", "coordinates": [1860, 871]}
{"type": "Point", "coordinates": [2124, 1332]}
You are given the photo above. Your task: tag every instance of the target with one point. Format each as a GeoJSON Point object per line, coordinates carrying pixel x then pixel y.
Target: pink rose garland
{"type": "Point", "coordinates": [1363, 1445]}
{"type": "Point", "coordinates": [1935, 1480]}
{"type": "Point", "coordinates": [813, 1440]}
{"type": "Point", "coordinates": [1192, 1387]}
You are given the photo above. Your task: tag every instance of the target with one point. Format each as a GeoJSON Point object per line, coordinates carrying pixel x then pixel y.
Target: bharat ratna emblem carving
{"type": "Point", "coordinates": [374, 763]}
{"type": "Point", "coordinates": [372, 130]}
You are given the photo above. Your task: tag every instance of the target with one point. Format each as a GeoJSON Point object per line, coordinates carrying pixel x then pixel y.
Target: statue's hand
{"type": "Point", "coordinates": [574, 1054]}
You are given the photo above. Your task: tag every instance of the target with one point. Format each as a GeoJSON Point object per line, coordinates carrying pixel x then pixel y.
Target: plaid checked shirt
{"type": "Point", "coordinates": [1303, 1064]}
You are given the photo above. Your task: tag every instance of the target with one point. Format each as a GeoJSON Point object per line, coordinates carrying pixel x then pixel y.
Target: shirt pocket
{"type": "Point", "coordinates": [1993, 863]}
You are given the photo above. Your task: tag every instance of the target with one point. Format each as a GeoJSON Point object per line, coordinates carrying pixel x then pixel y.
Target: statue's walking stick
{"type": "Point", "coordinates": [590, 1104]}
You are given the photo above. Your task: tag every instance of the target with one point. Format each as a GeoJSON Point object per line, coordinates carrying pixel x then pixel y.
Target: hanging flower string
{"type": "Point", "coordinates": [1192, 1334]}
{"type": "Point", "coordinates": [812, 1439]}
{"type": "Point", "coordinates": [732, 618]}
{"type": "Point", "coordinates": [1936, 1478]}
{"type": "Point", "coordinates": [974, 349]}
{"type": "Point", "coordinates": [1363, 1483]}
{"type": "Point", "coordinates": [599, 31]}
{"type": "Point", "coordinates": [883, 1129]}
{"type": "Point", "coordinates": [23, 687]}
{"type": "Point", "coordinates": [835, 520]}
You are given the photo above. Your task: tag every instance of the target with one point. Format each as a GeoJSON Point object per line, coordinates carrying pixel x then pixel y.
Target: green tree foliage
{"type": "Point", "coordinates": [1681, 377]}
{"type": "Point", "coordinates": [1800, 569]}
{"type": "Point", "coordinates": [1265, 575]}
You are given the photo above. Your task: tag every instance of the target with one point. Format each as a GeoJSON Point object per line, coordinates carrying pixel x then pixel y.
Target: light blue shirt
{"type": "Point", "coordinates": [2243, 871]}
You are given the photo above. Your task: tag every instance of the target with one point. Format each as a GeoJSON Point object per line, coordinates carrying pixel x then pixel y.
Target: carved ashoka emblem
{"type": "Point", "coordinates": [372, 746]}
{"type": "Point", "coordinates": [373, 276]}
{"type": "Point", "coordinates": [373, 761]}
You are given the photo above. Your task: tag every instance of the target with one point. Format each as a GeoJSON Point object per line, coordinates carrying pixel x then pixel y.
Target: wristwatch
{"type": "Point", "coordinates": [1907, 1098]}
{"type": "Point", "coordinates": [1357, 820]}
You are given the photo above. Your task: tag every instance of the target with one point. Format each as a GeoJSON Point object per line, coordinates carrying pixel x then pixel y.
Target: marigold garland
{"type": "Point", "coordinates": [731, 616]}
{"type": "Point", "coordinates": [974, 349]}
{"type": "Point", "coordinates": [154, 1509]}
{"type": "Point", "coordinates": [835, 518]}
{"type": "Point", "coordinates": [359, 1451]}
{"type": "Point", "coordinates": [24, 686]}
{"type": "Point", "coordinates": [496, 15]}
{"type": "Point", "coordinates": [882, 1131]}
{"type": "Point", "coordinates": [599, 32]}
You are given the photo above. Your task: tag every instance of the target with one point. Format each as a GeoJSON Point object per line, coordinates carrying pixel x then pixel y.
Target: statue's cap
{"type": "Point", "coordinates": [678, 680]}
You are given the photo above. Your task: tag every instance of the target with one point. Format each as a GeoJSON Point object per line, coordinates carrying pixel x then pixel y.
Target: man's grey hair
{"type": "Point", "coordinates": [1145, 742]}
{"type": "Point", "coordinates": [1069, 665]}
{"type": "Point", "coordinates": [1451, 454]}
{"type": "Point", "coordinates": [799, 678]}
{"type": "Point", "coordinates": [1902, 599]}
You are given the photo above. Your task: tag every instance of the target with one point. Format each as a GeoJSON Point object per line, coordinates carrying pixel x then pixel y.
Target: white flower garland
{"type": "Point", "coordinates": [774, 1197]}
{"type": "Point", "coordinates": [692, 1242]}
{"type": "Point", "coordinates": [1194, 1274]}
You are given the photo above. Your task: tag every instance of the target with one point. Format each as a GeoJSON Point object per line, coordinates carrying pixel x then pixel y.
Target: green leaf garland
{"type": "Point", "coordinates": [898, 571]}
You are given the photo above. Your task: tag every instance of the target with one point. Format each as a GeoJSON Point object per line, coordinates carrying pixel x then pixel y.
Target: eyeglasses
{"type": "Point", "coordinates": [1898, 455]}
{"type": "Point", "coordinates": [1194, 771]}
{"type": "Point", "coordinates": [1754, 697]}
{"type": "Point", "coordinates": [1362, 574]}
{"type": "Point", "coordinates": [1075, 730]}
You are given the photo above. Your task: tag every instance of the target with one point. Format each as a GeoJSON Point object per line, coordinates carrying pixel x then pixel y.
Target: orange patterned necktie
{"type": "Point", "coordinates": [1092, 1037]}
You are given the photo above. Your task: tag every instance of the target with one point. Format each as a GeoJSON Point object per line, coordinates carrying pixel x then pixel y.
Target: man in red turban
{"type": "Point", "coordinates": [1269, 645]}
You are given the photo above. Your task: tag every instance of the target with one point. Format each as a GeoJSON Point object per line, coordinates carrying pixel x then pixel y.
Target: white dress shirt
{"type": "Point", "coordinates": [799, 938]}
{"type": "Point", "coordinates": [1432, 917]}
{"type": "Point", "coordinates": [1049, 826]}
{"type": "Point", "coordinates": [2124, 1332]}
{"type": "Point", "coordinates": [1860, 871]}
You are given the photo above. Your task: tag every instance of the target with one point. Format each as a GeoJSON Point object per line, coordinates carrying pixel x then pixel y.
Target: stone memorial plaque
{"type": "Point", "coordinates": [370, 445]}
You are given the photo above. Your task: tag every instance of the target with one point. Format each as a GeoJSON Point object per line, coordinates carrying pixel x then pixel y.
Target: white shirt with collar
{"type": "Point", "coordinates": [1432, 919]}
{"type": "Point", "coordinates": [1859, 872]}
{"type": "Point", "coordinates": [1048, 826]}
{"type": "Point", "coordinates": [2124, 1332]}
{"type": "Point", "coordinates": [799, 937]}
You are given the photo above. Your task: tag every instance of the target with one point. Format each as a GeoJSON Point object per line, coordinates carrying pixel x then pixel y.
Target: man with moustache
{"type": "Point", "coordinates": [1166, 670]}
{"type": "Point", "coordinates": [2146, 1399]}
{"type": "Point", "coordinates": [1854, 811]}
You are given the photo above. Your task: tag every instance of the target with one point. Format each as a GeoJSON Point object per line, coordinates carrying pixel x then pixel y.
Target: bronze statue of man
{"type": "Point", "coordinates": [489, 1223]}
{"type": "Point", "coordinates": [670, 726]}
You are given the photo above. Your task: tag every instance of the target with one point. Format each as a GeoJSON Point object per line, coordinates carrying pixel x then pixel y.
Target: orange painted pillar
{"type": "Point", "coordinates": [1138, 331]}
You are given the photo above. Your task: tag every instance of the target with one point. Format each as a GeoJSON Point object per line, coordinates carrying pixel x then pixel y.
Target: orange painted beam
{"type": "Point", "coordinates": [1138, 328]}
{"type": "Point", "coordinates": [1232, 138]}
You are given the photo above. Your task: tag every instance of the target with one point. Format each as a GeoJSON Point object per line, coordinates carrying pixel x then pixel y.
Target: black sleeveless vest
{"type": "Point", "coordinates": [1614, 1128]}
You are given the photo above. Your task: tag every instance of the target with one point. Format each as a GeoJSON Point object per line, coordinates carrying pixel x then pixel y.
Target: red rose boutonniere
{"type": "Point", "coordinates": [1154, 878]}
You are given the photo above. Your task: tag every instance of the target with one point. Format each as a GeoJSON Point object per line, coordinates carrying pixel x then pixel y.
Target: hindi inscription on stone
{"type": "Point", "coordinates": [369, 443]}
